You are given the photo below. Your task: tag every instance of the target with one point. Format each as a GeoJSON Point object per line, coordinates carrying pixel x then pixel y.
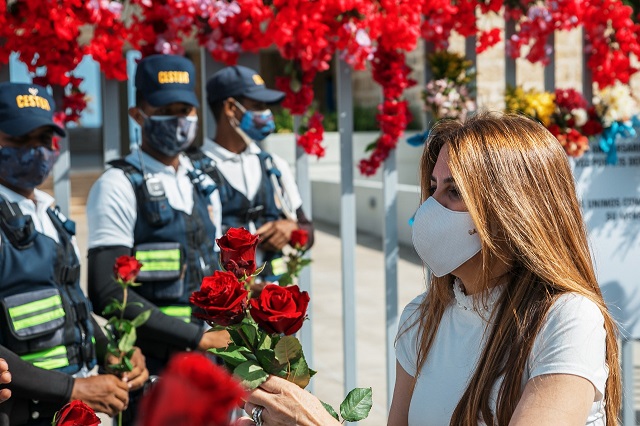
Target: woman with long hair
{"type": "Point", "coordinates": [512, 329]}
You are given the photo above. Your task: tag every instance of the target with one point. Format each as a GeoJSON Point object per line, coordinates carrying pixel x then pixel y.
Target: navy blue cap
{"type": "Point", "coordinates": [239, 81]}
{"type": "Point", "coordinates": [165, 79]}
{"type": "Point", "coordinates": [25, 107]}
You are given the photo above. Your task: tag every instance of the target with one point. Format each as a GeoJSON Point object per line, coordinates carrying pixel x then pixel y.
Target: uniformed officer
{"type": "Point", "coordinates": [155, 205]}
{"type": "Point", "coordinates": [47, 332]}
{"type": "Point", "coordinates": [257, 189]}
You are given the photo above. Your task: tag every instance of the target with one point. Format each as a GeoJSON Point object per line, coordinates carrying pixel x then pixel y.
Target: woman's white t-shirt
{"type": "Point", "coordinates": [571, 341]}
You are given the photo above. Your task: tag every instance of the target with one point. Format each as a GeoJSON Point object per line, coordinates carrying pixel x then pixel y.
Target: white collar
{"type": "Point", "coordinates": [153, 166]}
{"type": "Point", "coordinates": [42, 200]}
{"type": "Point", "coordinates": [222, 154]}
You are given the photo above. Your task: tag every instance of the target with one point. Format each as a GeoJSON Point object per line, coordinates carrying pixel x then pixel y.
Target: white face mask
{"type": "Point", "coordinates": [444, 239]}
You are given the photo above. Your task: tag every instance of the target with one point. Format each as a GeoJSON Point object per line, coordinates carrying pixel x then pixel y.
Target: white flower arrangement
{"type": "Point", "coordinates": [615, 104]}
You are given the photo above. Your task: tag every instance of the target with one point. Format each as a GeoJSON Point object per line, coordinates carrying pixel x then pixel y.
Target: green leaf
{"type": "Point", "coordinates": [127, 364]}
{"type": "Point", "coordinates": [285, 279]}
{"type": "Point", "coordinates": [267, 360]}
{"type": "Point", "coordinates": [299, 373]}
{"type": "Point", "coordinates": [251, 374]}
{"type": "Point", "coordinates": [357, 404]}
{"type": "Point", "coordinates": [259, 270]}
{"type": "Point", "coordinates": [127, 341]}
{"type": "Point", "coordinates": [112, 307]}
{"type": "Point", "coordinates": [141, 318]}
{"type": "Point", "coordinates": [138, 304]}
{"type": "Point", "coordinates": [288, 349]}
{"type": "Point", "coordinates": [251, 333]}
{"type": "Point", "coordinates": [330, 410]}
{"type": "Point", "coordinates": [266, 342]}
{"type": "Point", "coordinates": [371, 146]}
{"type": "Point", "coordinates": [231, 355]}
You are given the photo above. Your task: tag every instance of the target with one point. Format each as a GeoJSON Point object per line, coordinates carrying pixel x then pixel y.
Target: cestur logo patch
{"type": "Point", "coordinates": [166, 77]}
{"type": "Point", "coordinates": [258, 80]}
{"type": "Point", "coordinates": [33, 100]}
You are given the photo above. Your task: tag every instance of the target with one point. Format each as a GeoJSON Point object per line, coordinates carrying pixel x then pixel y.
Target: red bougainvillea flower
{"type": "Point", "coordinates": [280, 310]}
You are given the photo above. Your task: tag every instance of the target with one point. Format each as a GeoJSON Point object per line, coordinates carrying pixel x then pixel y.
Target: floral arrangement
{"type": "Point", "coordinates": [532, 102]}
{"type": "Point", "coordinates": [191, 391]}
{"type": "Point", "coordinates": [309, 34]}
{"type": "Point", "coordinates": [76, 413]}
{"type": "Point", "coordinates": [261, 327]}
{"type": "Point", "coordinates": [121, 332]}
{"type": "Point", "coordinates": [565, 113]}
{"type": "Point", "coordinates": [573, 122]}
{"type": "Point", "coordinates": [618, 108]}
{"type": "Point", "coordinates": [450, 94]}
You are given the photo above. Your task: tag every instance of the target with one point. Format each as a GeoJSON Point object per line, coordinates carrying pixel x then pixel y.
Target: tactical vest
{"type": "Point", "coordinates": [175, 248]}
{"type": "Point", "coordinates": [46, 318]}
{"type": "Point", "coordinates": [238, 210]}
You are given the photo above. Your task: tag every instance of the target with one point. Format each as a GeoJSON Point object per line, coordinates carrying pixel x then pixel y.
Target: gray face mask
{"type": "Point", "coordinates": [170, 134]}
{"type": "Point", "coordinates": [444, 239]}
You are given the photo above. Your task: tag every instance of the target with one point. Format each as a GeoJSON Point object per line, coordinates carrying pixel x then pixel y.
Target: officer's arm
{"type": "Point", "coordinates": [36, 383]}
{"type": "Point", "coordinates": [103, 289]}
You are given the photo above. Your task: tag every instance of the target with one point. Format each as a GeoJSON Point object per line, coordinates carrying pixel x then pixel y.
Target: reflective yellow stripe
{"type": "Point", "coordinates": [38, 319]}
{"type": "Point", "coordinates": [38, 305]}
{"type": "Point", "coordinates": [48, 359]}
{"type": "Point", "coordinates": [173, 254]}
{"type": "Point", "coordinates": [169, 265]}
{"type": "Point", "coordinates": [278, 266]}
{"type": "Point", "coordinates": [183, 312]}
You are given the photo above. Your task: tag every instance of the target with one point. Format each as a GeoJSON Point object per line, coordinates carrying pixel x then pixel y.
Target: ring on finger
{"type": "Point", "coordinates": [256, 415]}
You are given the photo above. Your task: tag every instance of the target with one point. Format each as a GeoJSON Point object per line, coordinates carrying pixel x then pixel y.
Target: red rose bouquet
{"type": "Point", "coordinates": [76, 413]}
{"type": "Point", "coordinates": [261, 328]}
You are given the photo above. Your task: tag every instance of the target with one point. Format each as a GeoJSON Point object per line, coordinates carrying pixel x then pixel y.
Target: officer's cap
{"type": "Point", "coordinates": [239, 81]}
{"type": "Point", "coordinates": [25, 107]}
{"type": "Point", "coordinates": [165, 79]}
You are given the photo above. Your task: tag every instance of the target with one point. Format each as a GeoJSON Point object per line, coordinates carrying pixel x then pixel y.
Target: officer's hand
{"type": "Point", "coordinates": [137, 377]}
{"type": "Point", "coordinates": [275, 235]}
{"type": "Point", "coordinates": [214, 339]}
{"type": "Point", "coordinates": [104, 393]}
{"type": "Point", "coordinates": [5, 378]}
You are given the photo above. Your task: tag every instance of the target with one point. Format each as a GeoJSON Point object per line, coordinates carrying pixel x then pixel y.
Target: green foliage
{"type": "Point", "coordinates": [355, 407]}
{"type": "Point", "coordinates": [283, 120]}
{"type": "Point", "coordinates": [288, 349]}
{"type": "Point", "coordinates": [357, 404]}
{"type": "Point", "coordinates": [251, 374]}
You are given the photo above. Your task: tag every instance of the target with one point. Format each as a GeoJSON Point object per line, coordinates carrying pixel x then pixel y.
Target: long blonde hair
{"type": "Point", "coordinates": [517, 185]}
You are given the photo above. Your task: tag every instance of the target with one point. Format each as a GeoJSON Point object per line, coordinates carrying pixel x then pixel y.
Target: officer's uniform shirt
{"type": "Point", "coordinates": [112, 208]}
{"type": "Point", "coordinates": [38, 211]}
{"type": "Point", "coordinates": [244, 172]}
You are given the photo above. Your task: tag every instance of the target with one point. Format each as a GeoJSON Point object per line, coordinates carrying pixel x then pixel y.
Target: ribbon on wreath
{"type": "Point", "coordinates": [625, 129]}
{"type": "Point", "coordinates": [418, 139]}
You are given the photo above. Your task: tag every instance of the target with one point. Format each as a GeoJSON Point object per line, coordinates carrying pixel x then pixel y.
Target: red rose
{"type": "Point", "coordinates": [127, 268]}
{"type": "Point", "coordinates": [191, 391]}
{"type": "Point", "coordinates": [299, 238]}
{"type": "Point", "coordinates": [238, 252]}
{"type": "Point", "coordinates": [222, 298]}
{"type": "Point", "coordinates": [280, 309]}
{"type": "Point", "coordinates": [76, 413]}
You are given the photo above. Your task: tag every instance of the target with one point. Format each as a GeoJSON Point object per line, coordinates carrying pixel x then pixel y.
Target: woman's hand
{"type": "Point", "coordinates": [286, 404]}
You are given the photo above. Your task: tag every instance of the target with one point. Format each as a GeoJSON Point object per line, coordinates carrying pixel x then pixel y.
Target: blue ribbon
{"type": "Point", "coordinates": [418, 139]}
{"type": "Point", "coordinates": [608, 137]}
